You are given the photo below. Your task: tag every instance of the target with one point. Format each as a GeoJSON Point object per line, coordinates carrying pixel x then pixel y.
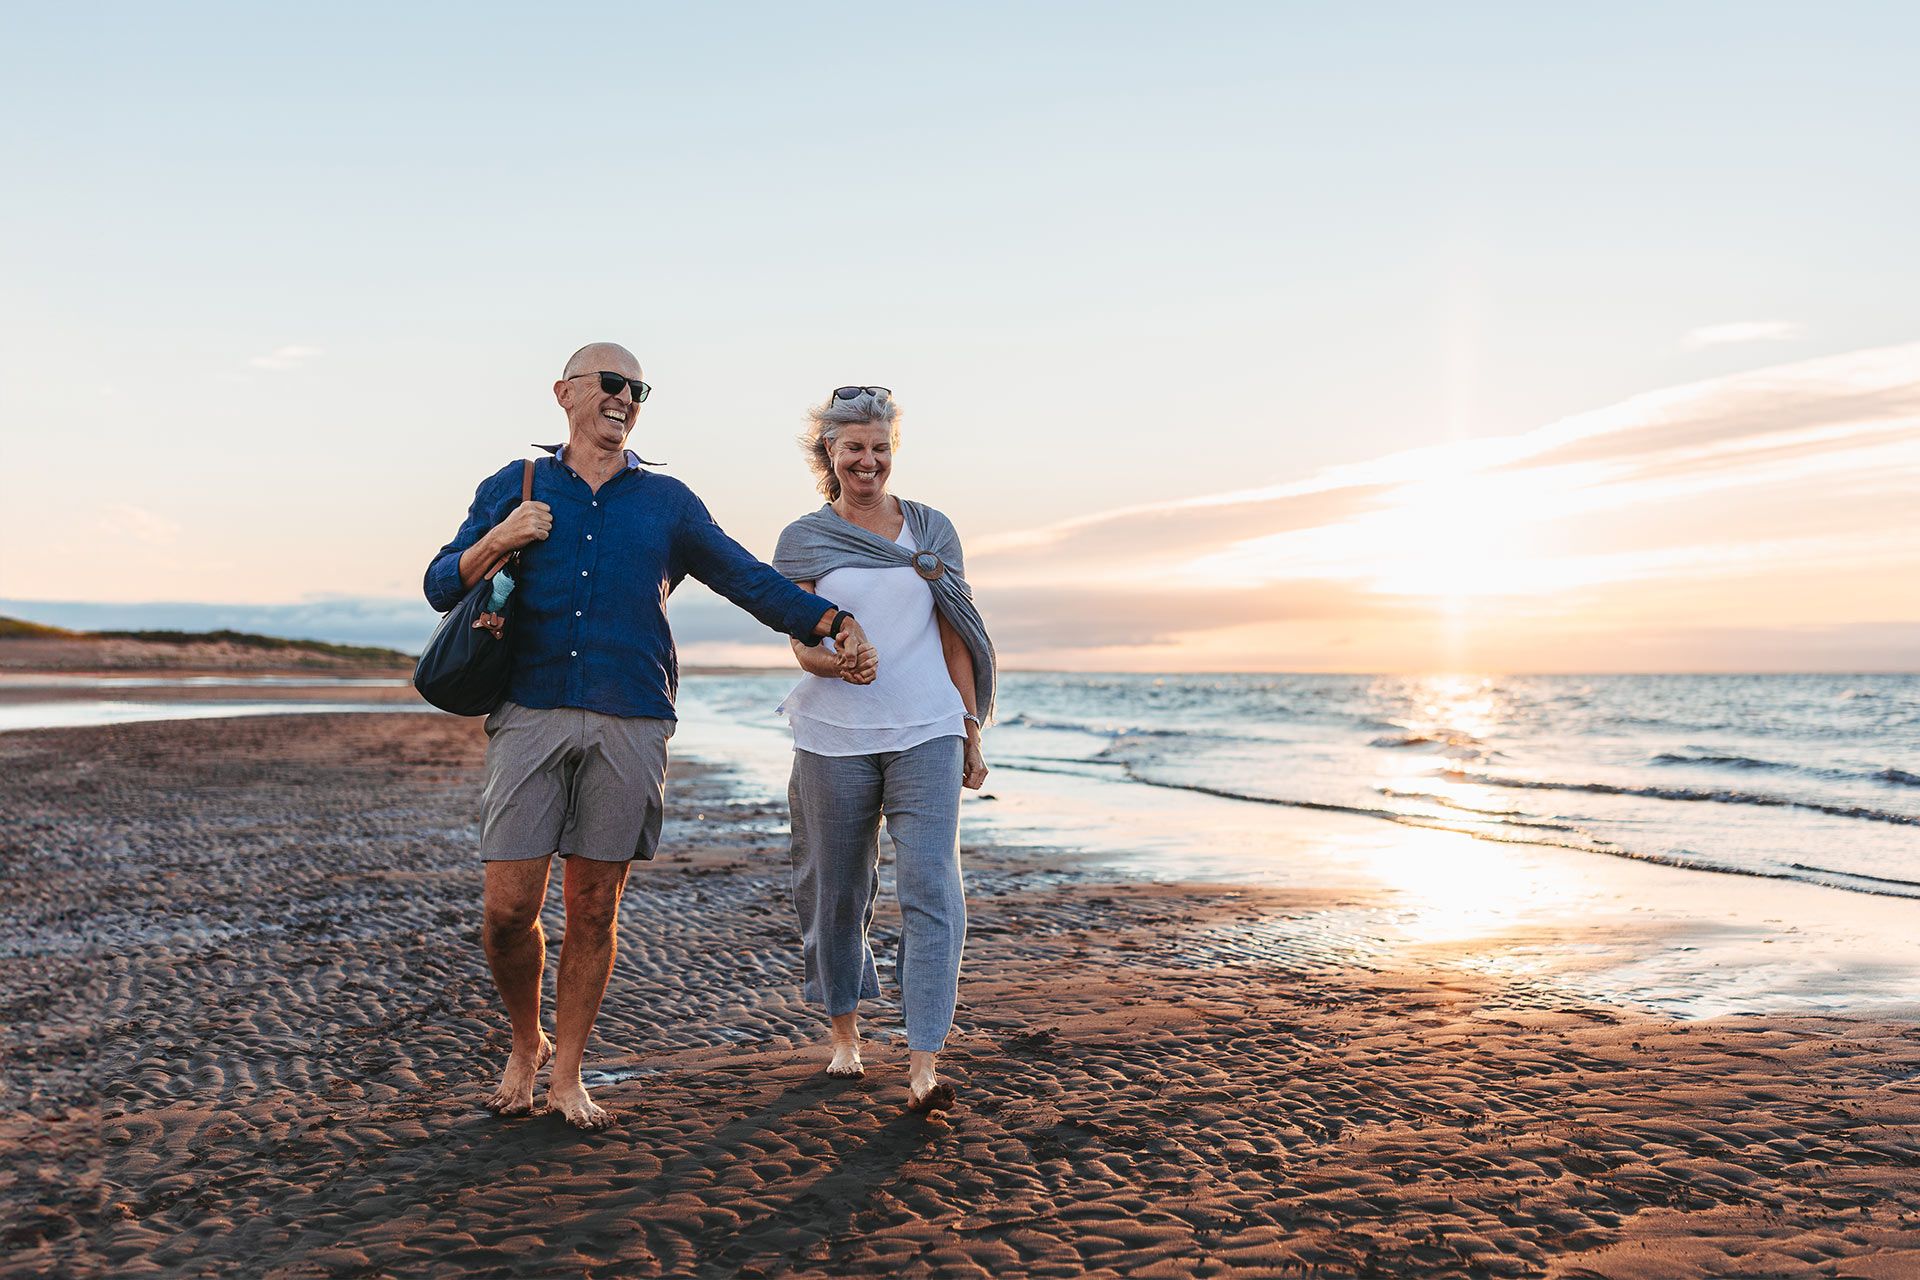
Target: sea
{"type": "Point", "coordinates": [1695, 845]}
{"type": "Point", "coordinates": [1812, 778]}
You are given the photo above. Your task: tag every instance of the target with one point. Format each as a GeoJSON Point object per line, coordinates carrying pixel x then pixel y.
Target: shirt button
{"type": "Point", "coordinates": [596, 504]}
{"type": "Point", "coordinates": [574, 654]}
{"type": "Point", "coordinates": [589, 537]}
{"type": "Point", "coordinates": [583, 573]}
{"type": "Point", "coordinates": [576, 613]}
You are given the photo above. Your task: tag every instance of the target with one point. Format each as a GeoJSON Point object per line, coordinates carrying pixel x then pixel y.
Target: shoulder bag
{"type": "Point", "coordinates": [465, 666]}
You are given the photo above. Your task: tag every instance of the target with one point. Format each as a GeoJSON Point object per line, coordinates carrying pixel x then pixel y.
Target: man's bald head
{"type": "Point", "coordinates": [599, 416]}
{"type": "Point", "coordinates": [595, 356]}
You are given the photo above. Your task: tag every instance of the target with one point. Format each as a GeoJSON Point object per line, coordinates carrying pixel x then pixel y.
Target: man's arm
{"type": "Point", "coordinates": [731, 571]}
{"type": "Point", "coordinates": [851, 659]}
{"type": "Point", "coordinates": [482, 539]}
{"type": "Point", "coordinates": [529, 523]}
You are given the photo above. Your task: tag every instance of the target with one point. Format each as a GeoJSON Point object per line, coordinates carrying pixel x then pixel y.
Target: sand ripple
{"type": "Point", "coordinates": [248, 1030]}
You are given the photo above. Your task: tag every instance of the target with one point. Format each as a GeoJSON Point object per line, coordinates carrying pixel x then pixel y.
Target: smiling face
{"type": "Point", "coordinates": [862, 456]}
{"type": "Point", "coordinates": [594, 417]}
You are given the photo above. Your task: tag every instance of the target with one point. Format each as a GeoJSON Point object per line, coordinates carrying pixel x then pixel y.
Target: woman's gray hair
{"type": "Point", "coordinates": [824, 423]}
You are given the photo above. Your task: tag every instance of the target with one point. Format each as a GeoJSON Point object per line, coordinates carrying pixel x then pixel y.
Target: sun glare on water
{"type": "Point", "coordinates": [1454, 888]}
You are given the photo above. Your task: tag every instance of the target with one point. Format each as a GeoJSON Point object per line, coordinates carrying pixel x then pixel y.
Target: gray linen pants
{"type": "Point", "coordinates": [837, 804]}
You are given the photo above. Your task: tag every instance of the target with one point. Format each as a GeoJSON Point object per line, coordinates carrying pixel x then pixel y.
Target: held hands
{"type": "Point", "coordinates": [859, 660]}
{"type": "Point", "coordinates": [528, 523]}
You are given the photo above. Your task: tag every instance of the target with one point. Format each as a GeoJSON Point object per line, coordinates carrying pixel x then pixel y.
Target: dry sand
{"type": "Point", "coordinates": [248, 1028]}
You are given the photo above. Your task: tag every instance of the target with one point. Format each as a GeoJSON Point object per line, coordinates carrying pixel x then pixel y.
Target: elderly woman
{"type": "Point", "coordinates": [896, 739]}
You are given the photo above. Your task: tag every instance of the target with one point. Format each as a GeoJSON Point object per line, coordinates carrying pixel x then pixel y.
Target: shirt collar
{"type": "Point", "coordinates": [559, 452]}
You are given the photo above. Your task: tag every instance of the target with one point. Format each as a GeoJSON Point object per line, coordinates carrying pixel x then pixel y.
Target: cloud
{"type": "Point", "coordinates": [1761, 521]}
{"type": "Point", "coordinates": [1720, 335]}
{"type": "Point", "coordinates": [1718, 508]}
{"type": "Point", "coordinates": [288, 357]}
{"type": "Point", "coordinates": [139, 524]}
{"type": "Point", "coordinates": [1147, 535]}
{"type": "Point", "coordinates": [1842, 392]}
{"type": "Point", "coordinates": [1035, 618]}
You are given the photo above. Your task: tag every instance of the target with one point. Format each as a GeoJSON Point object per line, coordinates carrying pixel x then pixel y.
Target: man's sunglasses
{"type": "Point", "coordinates": [854, 393]}
{"type": "Point", "coordinates": [613, 383]}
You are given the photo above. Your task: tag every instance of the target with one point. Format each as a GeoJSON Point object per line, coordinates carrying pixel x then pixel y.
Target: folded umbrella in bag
{"type": "Point", "coordinates": [465, 666]}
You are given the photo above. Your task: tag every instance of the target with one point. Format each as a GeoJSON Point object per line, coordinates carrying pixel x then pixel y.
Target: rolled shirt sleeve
{"type": "Point", "coordinates": [442, 582]}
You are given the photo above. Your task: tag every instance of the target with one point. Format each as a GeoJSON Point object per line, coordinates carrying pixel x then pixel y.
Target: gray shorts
{"type": "Point", "coordinates": [585, 784]}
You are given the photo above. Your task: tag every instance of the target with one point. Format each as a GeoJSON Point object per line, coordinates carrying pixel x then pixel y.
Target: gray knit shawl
{"type": "Point", "coordinates": [822, 541]}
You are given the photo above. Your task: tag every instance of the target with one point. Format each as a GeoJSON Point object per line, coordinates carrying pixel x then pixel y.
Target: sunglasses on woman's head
{"type": "Point", "coordinates": [612, 383]}
{"type": "Point", "coordinates": [854, 393]}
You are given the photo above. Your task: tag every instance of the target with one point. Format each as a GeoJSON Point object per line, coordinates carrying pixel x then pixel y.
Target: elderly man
{"type": "Point", "coordinates": [577, 754]}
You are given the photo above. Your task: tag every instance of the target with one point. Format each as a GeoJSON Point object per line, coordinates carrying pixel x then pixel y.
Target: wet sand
{"type": "Point", "coordinates": [248, 1027]}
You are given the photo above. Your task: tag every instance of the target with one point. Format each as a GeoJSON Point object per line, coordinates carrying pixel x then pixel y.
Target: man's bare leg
{"type": "Point", "coordinates": [592, 892]}
{"type": "Point", "coordinates": [845, 1033]}
{"type": "Point", "coordinates": [517, 952]}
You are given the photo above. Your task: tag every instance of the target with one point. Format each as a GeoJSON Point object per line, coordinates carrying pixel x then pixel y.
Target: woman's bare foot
{"type": "Point", "coordinates": [845, 1034]}
{"type": "Point", "coordinates": [926, 1091]}
{"type": "Point", "coordinates": [514, 1097]}
{"type": "Point", "coordinates": [570, 1099]}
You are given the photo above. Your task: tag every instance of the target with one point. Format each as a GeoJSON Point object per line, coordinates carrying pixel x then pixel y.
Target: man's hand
{"type": "Point", "coordinates": [528, 523]}
{"type": "Point", "coordinates": [859, 660]}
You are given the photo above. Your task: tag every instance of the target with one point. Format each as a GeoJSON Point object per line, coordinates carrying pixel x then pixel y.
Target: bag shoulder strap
{"type": "Point", "coordinates": [526, 495]}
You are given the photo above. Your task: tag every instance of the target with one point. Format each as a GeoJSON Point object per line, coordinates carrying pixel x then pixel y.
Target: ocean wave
{"type": "Point", "coordinates": [1524, 833]}
{"type": "Point", "coordinates": [1507, 817]}
{"type": "Point", "coordinates": [1898, 777]}
{"type": "Point", "coordinates": [1093, 762]}
{"type": "Point", "coordinates": [1446, 737]}
{"type": "Point", "coordinates": [1761, 798]}
{"type": "Point", "coordinates": [1025, 721]}
{"type": "Point", "coordinates": [1118, 734]}
{"type": "Point", "coordinates": [1736, 762]}
{"type": "Point", "coordinates": [1857, 875]}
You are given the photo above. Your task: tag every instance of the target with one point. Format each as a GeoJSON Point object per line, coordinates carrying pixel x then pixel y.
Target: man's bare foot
{"type": "Point", "coordinates": [844, 1031]}
{"type": "Point", "coordinates": [926, 1091]}
{"type": "Point", "coordinates": [514, 1097]}
{"type": "Point", "coordinates": [576, 1108]}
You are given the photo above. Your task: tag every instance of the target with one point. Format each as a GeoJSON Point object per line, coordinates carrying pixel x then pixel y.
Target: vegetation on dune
{"type": "Point", "coordinates": [248, 640]}
{"type": "Point", "coordinates": [14, 628]}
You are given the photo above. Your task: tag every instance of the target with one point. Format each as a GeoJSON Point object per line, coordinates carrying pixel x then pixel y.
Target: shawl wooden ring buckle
{"type": "Point", "coordinates": [928, 565]}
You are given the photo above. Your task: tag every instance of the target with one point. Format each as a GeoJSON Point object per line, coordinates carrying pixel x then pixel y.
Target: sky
{"type": "Point", "coordinates": [1233, 337]}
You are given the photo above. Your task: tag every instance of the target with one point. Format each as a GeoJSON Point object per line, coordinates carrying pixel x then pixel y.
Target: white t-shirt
{"type": "Point", "coordinates": [911, 701]}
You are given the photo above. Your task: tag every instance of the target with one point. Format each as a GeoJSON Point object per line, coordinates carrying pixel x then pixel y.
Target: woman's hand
{"type": "Point", "coordinates": [859, 661]}
{"type": "Point", "coordinates": [973, 764]}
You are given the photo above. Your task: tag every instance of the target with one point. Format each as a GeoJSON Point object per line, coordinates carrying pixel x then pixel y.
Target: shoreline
{"type": "Point", "coordinates": [1666, 938]}
{"type": "Point", "coordinates": [255, 941]}
{"type": "Point", "coordinates": [1636, 933]}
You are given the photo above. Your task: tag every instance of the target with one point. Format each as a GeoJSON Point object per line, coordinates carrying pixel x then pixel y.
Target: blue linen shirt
{"type": "Point", "coordinates": [589, 613]}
